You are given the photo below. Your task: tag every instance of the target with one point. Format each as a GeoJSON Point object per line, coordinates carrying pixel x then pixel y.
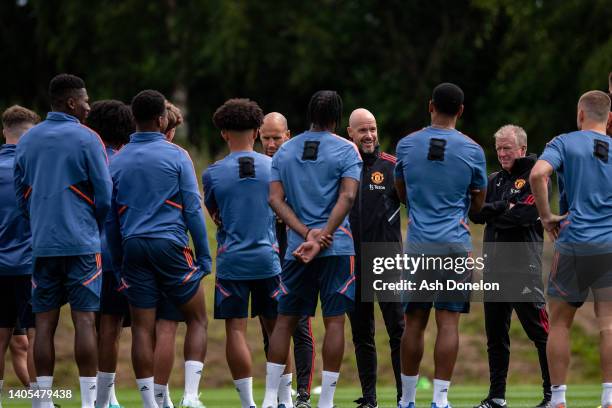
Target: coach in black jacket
{"type": "Point", "coordinates": [375, 217]}
{"type": "Point", "coordinates": [513, 247]}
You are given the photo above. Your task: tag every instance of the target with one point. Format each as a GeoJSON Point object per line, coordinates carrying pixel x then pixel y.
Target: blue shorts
{"type": "Point", "coordinates": [573, 276]}
{"type": "Point", "coordinates": [73, 279]}
{"type": "Point", "coordinates": [459, 307]}
{"type": "Point", "coordinates": [113, 300]}
{"type": "Point", "coordinates": [232, 298]}
{"type": "Point", "coordinates": [157, 267]}
{"type": "Point", "coordinates": [166, 310]}
{"type": "Point", "coordinates": [331, 276]}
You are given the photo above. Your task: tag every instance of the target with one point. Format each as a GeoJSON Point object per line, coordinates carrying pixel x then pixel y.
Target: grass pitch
{"type": "Point", "coordinates": [461, 396]}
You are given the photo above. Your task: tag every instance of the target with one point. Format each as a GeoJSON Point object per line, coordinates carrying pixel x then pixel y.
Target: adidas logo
{"type": "Point", "coordinates": [333, 384]}
{"type": "Point", "coordinates": [159, 395]}
{"type": "Point", "coordinates": [93, 387]}
{"type": "Point", "coordinates": [444, 390]}
{"type": "Point", "coordinates": [526, 291]}
{"type": "Point", "coordinates": [144, 388]}
{"type": "Point", "coordinates": [199, 372]}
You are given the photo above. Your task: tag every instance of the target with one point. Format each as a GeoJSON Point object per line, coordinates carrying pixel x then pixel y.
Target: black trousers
{"type": "Point", "coordinates": [363, 330]}
{"type": "Point", "coordinates": [534, 319]}
{"type": "Point", "coordinates": [303, 353]}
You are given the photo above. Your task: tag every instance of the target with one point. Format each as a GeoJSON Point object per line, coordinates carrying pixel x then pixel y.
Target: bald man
{"type": "Point", "coordinates": [273, 132]}
{"type": "Point", "coordinates": [375, 217]}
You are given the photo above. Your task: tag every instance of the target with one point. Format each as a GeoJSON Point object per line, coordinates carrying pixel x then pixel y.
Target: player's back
{"type": "Point", "coordinates": [238, 188]}
{"type": "Point", "coordinates": [146, 175]}
{"type": "Point", "coordinates": [15, 236]}
{"type": "Point", "coordinates": [59, 160]}
{"type": "Point", "coordinates": [439, 168]}
{"type": "Point", "coordinates": [582, 160]}
{"type": "Point", "coordinates": [310, 167]}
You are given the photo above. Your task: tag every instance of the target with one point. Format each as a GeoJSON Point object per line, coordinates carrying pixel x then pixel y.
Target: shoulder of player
{"type": "Point", "coordinates": [387, 158]}
{"type": "Point", "coordinates": [345, 143]}
{"type": "Point", "coordinates": [410, 137]}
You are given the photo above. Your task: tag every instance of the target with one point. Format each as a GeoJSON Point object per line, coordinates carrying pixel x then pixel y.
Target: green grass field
{"type": "Point", "coordinates": [461, 396]}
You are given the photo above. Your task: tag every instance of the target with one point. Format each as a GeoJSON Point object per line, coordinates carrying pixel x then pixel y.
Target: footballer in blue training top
{"type": "Point", "coordinates": [315, 177]}
{"type": "Point", "coordinates": [582, 262]}
{"type": "Point", "coordinates": [442, 175]}
{"type": "Point", "coordinates": [236, 191]}
{"type": "Point", "coordinates": [155, 202]}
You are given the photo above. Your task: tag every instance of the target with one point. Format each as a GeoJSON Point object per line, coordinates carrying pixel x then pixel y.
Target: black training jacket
{"type": "Point", "coordinates": [375, 216]}
{"type": "Point", "coordinates": [513, 236]}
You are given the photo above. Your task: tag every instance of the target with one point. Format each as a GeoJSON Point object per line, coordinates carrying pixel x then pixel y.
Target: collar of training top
{"type": "Point", "coordinates": [61, 116]}
{"type": "Point", "coordinates": [370, 158]}
{"type": "Point", "coordinates": [8, 147]}
{"type": "Point", "coordinates": [146, 136]}
{"type": "Point", "coordinates": [523, 164]}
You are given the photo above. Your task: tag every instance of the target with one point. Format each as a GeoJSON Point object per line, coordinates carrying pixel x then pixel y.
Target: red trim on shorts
{"type": "Point", "coordinates": [223, 291]}
{"type": "Point", "coordinates": [464, 225]}
{"type": "Point", "coordinates": [544, 320]}
{"type": "Point", "coordinates": [88, 281]}
{"type": "Point", "coordinates": [122, 210]}
{"type": "Point", "coordinates": [27, 192]}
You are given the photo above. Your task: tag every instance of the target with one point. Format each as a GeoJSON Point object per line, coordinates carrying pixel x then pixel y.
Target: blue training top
{"type": "Point", "coordinates": [15, 235]}
{"type": "Point", "coordinates": [581, 158]}
{"type": "Point", "coordinates": [236, 189]}
{"type": "Point", "coordinates": [156, 195]}
{"type": "Point", "coordinates": [62, 183]}
{"type": "Point", "coordinates": [439, 168]}
{"type": "Point", "coordinates": [310, 166]}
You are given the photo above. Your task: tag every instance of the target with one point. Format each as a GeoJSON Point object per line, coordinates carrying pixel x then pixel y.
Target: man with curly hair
{"type": "Point", "coordinates": [155, 202]}
{"type": "Point", "coordinates": [314, 182]}
{"type": "Point", "coordinates": [247, 262]}
{"type": "Point", "coordinates": [113, 121]}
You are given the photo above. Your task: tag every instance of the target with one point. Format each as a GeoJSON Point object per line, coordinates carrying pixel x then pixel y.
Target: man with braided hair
{"type": "Point", "coordinates": [314, 182]}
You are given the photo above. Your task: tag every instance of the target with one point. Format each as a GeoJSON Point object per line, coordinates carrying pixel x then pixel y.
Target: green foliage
{"type": "Point", "coordinates": [524, 62]}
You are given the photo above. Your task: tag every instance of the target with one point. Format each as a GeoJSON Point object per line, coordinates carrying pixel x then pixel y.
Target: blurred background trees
{"type": "Point", "coordinates": [524, 62]}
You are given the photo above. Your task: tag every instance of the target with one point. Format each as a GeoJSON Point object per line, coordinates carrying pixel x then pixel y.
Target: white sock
{"type": "Point", "coordinates": [158, 390]}
{"type": "Point", "coordinates": [113, 396]}
{"type": "Point", "coordinates": [45, 383]}
{"type": "Point", "coordinates": [244, 386]}
{"type": "Point", "coordinates": [88, 391]}
{"type": "Point", "coordinates": [329, 379]}
{"type": "Point", "coordinates": [409, 384]}
{"type": "Point", "coordinates": [606, 394]}
{"type": "Point", "coordinates": [557, 394]}
{"type": "Point", "coordinates": [167, 400]}
{"type": "Point", "coordinates": [146, 388]}
{"type": "Point", "coordinates": [104, 386]}
{"type": "Point", "coordinates": [440, 392]}
{"type": "Point", "coordinates": [193, 372]}
{"type": "Point", "coordinates": [273, 377]}
{"type": "Point", "coordinates": [34, 388]}
{"type": "Point", "coordinates": [284, 390]}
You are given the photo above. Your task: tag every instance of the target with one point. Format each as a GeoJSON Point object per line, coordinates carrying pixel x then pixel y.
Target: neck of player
{"type": "Point", "coordinates": [443, 121]}
{"type": "Point", "coordinates": [240, 141]}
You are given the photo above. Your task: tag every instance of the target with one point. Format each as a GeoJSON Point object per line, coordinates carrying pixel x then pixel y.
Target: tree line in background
{"type": "Point", "coordinates": [524, 62]}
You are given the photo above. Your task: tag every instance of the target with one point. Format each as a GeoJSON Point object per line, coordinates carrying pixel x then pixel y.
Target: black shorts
{"type": "Point", "coordinates": [113, 300]}
{"type": "Point", "coordinates": [15, 302]}
{"type": "Point", "coordinates": [572, 276]}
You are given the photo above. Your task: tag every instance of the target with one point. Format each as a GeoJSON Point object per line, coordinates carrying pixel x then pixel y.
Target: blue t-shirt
{"type": "Point", "coordinates": [581, 158]}
{"type": "Point", "coordinates": [310, 166]}
{"type": "Point", "coordinates": [15, 235]}
{"type": "Point", "coordinates": [439, 168]}
{"type": "Point", "coordinates": [236, 189]}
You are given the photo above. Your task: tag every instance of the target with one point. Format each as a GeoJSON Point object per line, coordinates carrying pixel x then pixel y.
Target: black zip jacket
{"type": "Point", "coordinates": [513, 237]}
{"type": "Point", "coordinates": [375, 216]}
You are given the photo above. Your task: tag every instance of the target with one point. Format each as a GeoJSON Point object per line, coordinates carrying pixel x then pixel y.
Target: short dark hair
{"type": "Point", "coordinates": [596, 105]}
{"type": "Point", "coordinates": [148, 105]}
{"type": "Point", "coordinates": [62, 87]}
{"type": "Point", "coordinates": [447, 98]}
{"type": "Point", "coordinates": [112, 120]}
{"type": "Point", "coordinates": [325, 108]}
{"type": "Point", "coordinates": [238, 114]}
{"type": "Point", "coordinates": [17, 115]}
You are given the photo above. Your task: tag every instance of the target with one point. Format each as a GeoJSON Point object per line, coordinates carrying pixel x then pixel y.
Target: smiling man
{"type": "Point", "coordinates": [511, 216]}
{"type": "Point", "coordinates": [375, 217]}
